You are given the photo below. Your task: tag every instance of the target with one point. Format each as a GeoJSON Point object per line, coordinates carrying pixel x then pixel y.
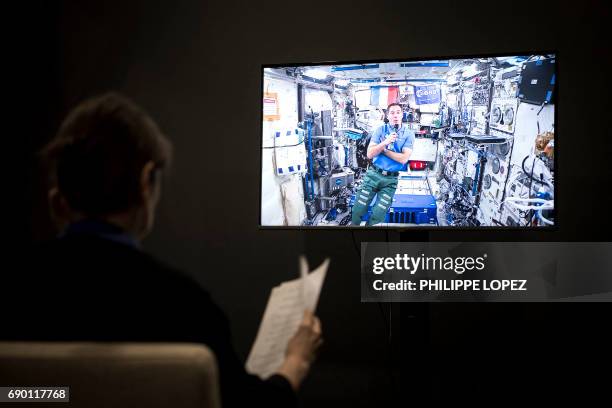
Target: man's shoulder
{"type": "Point", "coordinates": [92, 251]}
{"type": "Point", "coordinates": [381, 128]}
{"type": "Point", "coordinates": [73, 257]}
{"type": "Point", "coordinates": [378, 131]}
{"type": "Point", "coordinates": [409, 133]}
{"type": "Point", "coordinates": [115, 286]}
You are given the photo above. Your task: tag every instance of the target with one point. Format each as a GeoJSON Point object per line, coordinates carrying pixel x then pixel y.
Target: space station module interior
{"type": "Point", "coordinates": [483, 154]}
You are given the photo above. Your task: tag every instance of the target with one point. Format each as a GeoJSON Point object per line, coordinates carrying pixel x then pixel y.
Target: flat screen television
{"type": "Point", "coordinates": [462, 142]}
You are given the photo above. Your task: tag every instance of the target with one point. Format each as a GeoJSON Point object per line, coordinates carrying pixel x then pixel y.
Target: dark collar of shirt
{"type": "Point", "coordinates": [100, 229]}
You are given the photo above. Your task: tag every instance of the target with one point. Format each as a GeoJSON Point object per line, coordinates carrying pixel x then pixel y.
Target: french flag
{"type": "Point", "coordinates": [384, 95]}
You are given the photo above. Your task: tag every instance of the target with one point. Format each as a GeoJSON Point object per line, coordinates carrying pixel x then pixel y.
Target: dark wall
{"type": "Point", "coordinates": [195, 66]}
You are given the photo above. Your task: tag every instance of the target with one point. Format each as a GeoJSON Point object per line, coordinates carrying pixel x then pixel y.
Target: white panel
{"type": "Point", "coordinates": [429, 108]}
{"type": "Point", "coordinates": [293, 198]}
{"type": "Point", "coordinates": [424, 150]}
{"type": "Point", "coordinates": [272, 187]}
{"type": "Point", "coordinates": [288, 109]}
{"type": "Point", "coordinates": [362, 99]}
{"type": "Point", "coordinates": [317, 100]}
{"type": "Point", "coordinates": [271, 199]}
{"type": "Point", "coordinates": [526, 129]}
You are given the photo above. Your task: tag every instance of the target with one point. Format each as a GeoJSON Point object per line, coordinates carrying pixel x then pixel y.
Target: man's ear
{"type": "Point", "coordinates": [58, 208]}
{"type": "Point", "coordinates": [147, 180]}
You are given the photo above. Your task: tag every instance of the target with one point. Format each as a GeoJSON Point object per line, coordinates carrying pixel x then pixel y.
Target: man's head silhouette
{"type": "Point", "coordinates": [105, 164]}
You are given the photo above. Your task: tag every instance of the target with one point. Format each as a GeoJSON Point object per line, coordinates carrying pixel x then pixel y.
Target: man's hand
{"type": "Point", "coordinates": [306, 341]}
{"type": "Point", "coordinates": [302, 350]}
{"type": "Point", "coordinates": [399, 157]}
{"type": "Point", "coordinates": [390, 139]}
{"type": "Point", "coordinates": [376, 149]}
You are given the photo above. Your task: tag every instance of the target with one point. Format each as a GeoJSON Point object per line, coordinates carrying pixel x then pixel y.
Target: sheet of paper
{"type": "Point", "coordinates": [282, 317]}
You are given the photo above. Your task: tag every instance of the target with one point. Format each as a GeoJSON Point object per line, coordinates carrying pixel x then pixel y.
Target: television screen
{"type": "Point", "coordinates": [464, 142]}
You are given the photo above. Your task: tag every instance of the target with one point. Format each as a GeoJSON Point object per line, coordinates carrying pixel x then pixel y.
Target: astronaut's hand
{"type": "Point", "coordinates": [390, 139]}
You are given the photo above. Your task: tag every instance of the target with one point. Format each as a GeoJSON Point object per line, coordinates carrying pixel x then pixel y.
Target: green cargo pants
{"type": "Point", "coordinates": [374, 183]}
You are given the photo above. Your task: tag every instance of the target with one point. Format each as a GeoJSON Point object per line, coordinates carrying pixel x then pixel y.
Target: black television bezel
{"type": "Point", "coordinates": [427, 227]}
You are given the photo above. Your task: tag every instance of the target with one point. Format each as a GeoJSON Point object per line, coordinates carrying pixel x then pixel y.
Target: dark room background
{"type": "Point", "coordinates": [196, 68]}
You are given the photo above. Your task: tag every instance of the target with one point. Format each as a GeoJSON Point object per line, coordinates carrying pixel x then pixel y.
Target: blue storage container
{"type": "Point", "coordinates": [408, 209]}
